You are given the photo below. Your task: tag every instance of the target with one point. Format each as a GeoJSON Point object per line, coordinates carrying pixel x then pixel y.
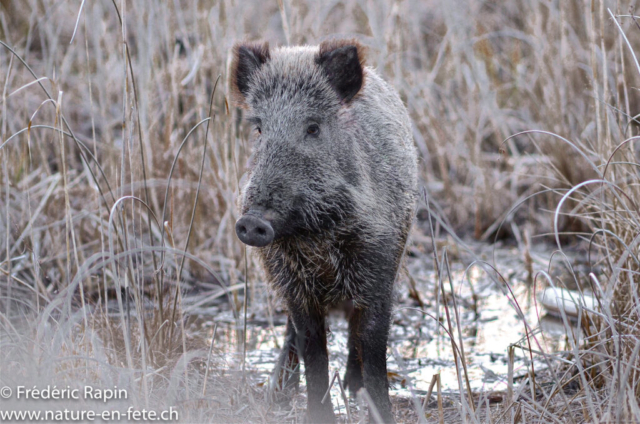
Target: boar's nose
{"type": "Point", "coordinates": [254, 231]}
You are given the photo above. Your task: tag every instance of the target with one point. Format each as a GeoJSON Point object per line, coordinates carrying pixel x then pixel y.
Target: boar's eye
{"type": "Point", "coordinates": [256, 123]}
{"type": "Point", "coordinates": [313, 129]}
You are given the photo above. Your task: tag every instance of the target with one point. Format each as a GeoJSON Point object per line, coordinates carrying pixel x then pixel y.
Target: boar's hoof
{"type": "Point", "coordinates": [254, 231]}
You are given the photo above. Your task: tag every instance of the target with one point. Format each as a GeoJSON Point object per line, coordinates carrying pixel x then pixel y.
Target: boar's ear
{"type": "Point", "coordinates": [247, 58]}
{"type": "Point", "coordinates": [343, 62]}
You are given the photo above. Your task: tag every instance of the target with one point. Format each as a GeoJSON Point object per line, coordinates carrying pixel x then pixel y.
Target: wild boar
{"type": "Point", "coordinates": [328, 203]}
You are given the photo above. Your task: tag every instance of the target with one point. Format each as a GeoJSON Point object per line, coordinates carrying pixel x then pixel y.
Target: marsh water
{"type": "Point", "coordinates": [487, 314]}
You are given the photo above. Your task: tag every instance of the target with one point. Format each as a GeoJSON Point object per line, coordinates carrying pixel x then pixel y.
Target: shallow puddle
{"type": "Point", "coordinates": [418, 348]}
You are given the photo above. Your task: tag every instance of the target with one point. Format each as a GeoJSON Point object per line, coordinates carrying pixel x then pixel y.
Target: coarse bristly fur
{"type": "Point", "coordinates": [334, 172]}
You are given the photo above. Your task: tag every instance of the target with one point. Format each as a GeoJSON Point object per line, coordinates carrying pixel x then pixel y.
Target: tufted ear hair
{"type": "Point", "coordinates": [247, 59]}
{"type": "Point", "coordinates": [343, 63]}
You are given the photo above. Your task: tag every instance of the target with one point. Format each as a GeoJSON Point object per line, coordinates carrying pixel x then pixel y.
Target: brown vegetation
{"type": "Point", "coordinates": [107, 181]}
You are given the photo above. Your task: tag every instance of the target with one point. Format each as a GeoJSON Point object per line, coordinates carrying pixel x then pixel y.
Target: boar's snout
{"type": "Point", "coordinates": [254, 230]}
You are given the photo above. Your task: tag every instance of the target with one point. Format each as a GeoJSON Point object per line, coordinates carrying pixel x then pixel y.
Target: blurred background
{"type": "Point", "coordinates": [111, 170]}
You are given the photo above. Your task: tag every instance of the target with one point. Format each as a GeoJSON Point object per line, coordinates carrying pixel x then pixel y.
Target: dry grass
{"type": "Point", "coordinates": [118, 156]}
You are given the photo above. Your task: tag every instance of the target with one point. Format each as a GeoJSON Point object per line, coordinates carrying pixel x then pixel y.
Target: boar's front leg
{"type": "Point", "coordinates": [312, 335]}
{"type": "Point", "coordinates": [353, 376]}
{"type": "Point", "coordinates": [374, 323]}
{"type": "Point", "coordinates": [286, 373]}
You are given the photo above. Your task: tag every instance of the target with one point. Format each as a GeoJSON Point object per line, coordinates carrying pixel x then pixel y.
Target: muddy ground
{"type": "Point", "coordinates": [491, 318]}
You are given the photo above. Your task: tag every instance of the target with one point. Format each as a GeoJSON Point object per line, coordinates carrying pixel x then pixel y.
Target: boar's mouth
{"type": "Point", "coordinates": [261, 225]}
{"type": "Point", "coordinates": [253, 229]}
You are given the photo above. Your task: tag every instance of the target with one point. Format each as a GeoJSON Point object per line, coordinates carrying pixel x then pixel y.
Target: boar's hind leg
{"type": "Point", "coordinates": [286, 373]}
{"type": "Point", "coordinates": [353, 376]}
{"type": "Point", "coordinates": [311, 332]}
{"type": "Point", "coordinates": [374, 332]}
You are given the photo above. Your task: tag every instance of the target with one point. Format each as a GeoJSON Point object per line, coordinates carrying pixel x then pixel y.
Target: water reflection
{"type": "Point", "coordinates": [418, 347]}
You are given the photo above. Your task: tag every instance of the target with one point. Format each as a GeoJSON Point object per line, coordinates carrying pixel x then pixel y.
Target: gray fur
{"type": "Point", "coordinates": [340, 203]}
